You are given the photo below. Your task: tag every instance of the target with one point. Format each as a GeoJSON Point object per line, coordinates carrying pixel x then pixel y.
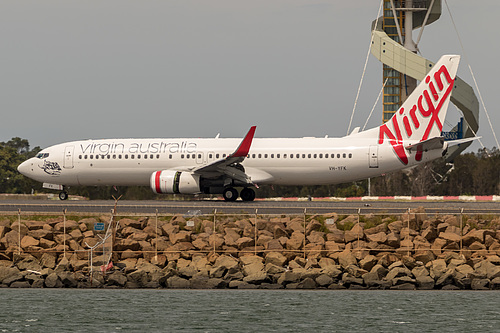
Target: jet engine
{"type": "Point", "coordinates": [174, 182]}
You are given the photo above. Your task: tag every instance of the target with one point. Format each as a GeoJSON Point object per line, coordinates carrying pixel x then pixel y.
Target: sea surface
{"type": "Point", "coordinates": [77, 310]}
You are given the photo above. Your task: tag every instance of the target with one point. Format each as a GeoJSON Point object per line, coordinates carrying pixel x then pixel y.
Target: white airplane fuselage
{"type": "Point", "coordinates": [277, 161]}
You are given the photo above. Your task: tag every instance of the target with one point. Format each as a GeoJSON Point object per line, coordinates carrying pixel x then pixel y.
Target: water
{"type": "Point", "coordinates": [76, 310]}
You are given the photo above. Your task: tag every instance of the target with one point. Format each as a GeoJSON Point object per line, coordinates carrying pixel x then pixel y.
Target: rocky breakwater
{"type": "Point", "coordinates": [412, 251]}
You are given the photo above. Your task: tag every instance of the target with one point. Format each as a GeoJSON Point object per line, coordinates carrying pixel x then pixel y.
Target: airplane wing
{"type": "Point", "coordinates": [226, 165]}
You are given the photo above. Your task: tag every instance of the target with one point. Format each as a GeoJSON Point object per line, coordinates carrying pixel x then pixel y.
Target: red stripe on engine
{"type": "Point", "coordinates": [157, 182]}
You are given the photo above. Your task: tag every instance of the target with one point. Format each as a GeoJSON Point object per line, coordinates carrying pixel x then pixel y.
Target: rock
{"type": "Point", "coordinates": [9, 275]}
{"type": "Point", "coordinates": [397, 272]}
{"type": "Point", "coordinates": [176, 282]}
{"type": "Point", "coordinates": [380, 237]}
{"type": "Point", "coordinates": [425, 256]}
{"type": "Point", "coordinates": [256, 277]}
{"type": "Point", "coordinates": [480, 284]}
{"type": "Point", "coordinates": [53, 281]}
{"type": "Point", "coordinates": [273, 269]}
{"type": "Point", "coordinates": [393, 240]}
{"type": "Point", "coordinates": [245, 242]}
{"type": "Point", "coordinates": [346, 258]}
{"type": "Point", "coordinates": [473, 236]}
{"type": "Point", "coordinates": [288, 277]}
{"type": "Point", "coordinates": [29, 263]}
{"type": "Point", "coordinates": [395, 227]}
{"type": "Point", "coordinates": [495, 283]}
{"type": "Point", "coordinates": [307, 283]}
{"type": "Point", "coordinates": [324, 280]}
{"type": "Point", "coordinates": [430, 234]}
{"type": "Point", "coordinates": [357, 232]}
{"type": "Point", "coordinates": [296, 241]}
{"type": "Point", "coordinates": [276, 258]}
{"type": "Point", "coordinates": [253, 269]}
{"type": "Point", "coordinates": [450, 237]}
{"type": "Point", "coordinates": [438, 268]}
{"type": "Point", "coordinates": [425, 282]}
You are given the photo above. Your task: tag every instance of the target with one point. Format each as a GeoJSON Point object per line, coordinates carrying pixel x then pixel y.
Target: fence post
{"type": "Point", "coordinates": [409, 230]}
{"type": "Point", "coordinates": [359, 212]}
{"type": "Point", "coordinates": [215, 216]}
{"type": "Point", "coordinates": [156, 231]}
{"type": "Point", "coordinates": [255, 233]}
{"type": "Point", "coordinates": [19, 231]}
{"type": "Point", "coordinates": [64, 232]}
{"type": "Point", "coordinates": [461, 229]}
{"type": "Point", "coordinates": [305, 217]}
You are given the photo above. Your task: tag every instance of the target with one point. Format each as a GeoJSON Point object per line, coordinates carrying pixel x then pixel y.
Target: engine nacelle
{"type": "Point", "coordinates": [174, 182]}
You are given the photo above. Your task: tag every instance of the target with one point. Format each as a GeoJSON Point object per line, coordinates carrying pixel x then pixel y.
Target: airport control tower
{"type": "Point", "coordinates": [394, 45]}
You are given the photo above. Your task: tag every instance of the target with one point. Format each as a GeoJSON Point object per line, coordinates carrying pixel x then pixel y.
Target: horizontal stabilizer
{"type": "Point", "coordinates": [430, 144]}
{"type": "Point", "coordinates": [460, 141]}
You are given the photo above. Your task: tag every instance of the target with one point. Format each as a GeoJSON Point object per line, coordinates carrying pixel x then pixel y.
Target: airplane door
{"type": "Point", "coordinates": [68, 157]}
{"type": "Point", "coordinates": [373, 157]}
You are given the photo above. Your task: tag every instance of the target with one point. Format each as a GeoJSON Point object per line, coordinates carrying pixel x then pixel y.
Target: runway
{"type": "Point", "coordinates": [262, 207]}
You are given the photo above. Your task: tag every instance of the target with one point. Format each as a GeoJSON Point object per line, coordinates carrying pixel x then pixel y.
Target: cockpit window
{"type": "Point", "coordinates": [42, 155]}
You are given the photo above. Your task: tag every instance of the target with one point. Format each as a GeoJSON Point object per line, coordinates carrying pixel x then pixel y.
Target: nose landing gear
{"type": "Point", "coordinates": [63, 195]}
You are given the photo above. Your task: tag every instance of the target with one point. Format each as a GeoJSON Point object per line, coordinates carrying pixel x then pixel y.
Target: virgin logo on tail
{"type": "Point", "coordinates": [424, 113]}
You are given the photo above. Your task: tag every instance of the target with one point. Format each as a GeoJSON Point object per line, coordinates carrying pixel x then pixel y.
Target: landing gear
{"type": "Point", "coordinates": [247, 194]}
{"type": "Point", "coordinates": [230, 194]}
{"type": "Point", "coordinates": [63, 195]}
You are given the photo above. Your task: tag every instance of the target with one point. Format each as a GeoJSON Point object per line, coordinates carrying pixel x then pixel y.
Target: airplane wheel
{"type": "Point", "coordinates": [247, 194]}
{"type": "Point", "coordinates": [63, 195]}
{"type": "Point", "coordinates": [230, 194]}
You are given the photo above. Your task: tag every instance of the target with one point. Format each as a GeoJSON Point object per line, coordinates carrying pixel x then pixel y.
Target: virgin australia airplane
{"type": "Point", "coordinates": [218, 166]}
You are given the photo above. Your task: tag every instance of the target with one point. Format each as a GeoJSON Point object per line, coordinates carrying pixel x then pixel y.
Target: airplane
{"type": "Point", "coordinates": [219, 165]}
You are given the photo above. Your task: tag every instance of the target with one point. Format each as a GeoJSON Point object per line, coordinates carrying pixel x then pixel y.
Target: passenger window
{"type": "Point", "coordinates": [216, 155]}
{"type": "Point", "coordinates": [315, 156]}
{"type": "Point", "coordinates": [158, 156]}
{"type": "Point", "coordinates": [79, 157]}
{"type": "Point", "coordinates": [182, 155]}
{"type": "Point", "coordinates": [120, 156]}
{"type": "Point", "coordinates": [272, 155]}
{"type": "Point", "coordinates": [145, 156]}
{"type": "Point", "coordinates": [320, 155]}
{"type": "Point", "coordinates": [85, 157]}
{"type": "Point", "coordinates": [109, 156]}
{"type": "Point", "coordinates": [132, 157]}
{"type": "Point", "coordinates": [265, 155]}
{"type": "Point", "coordinates": [278, 156]}
{"type": "Point", "coordinates": [91, 157]}
{"type": "Point", "coordinates": [338, 155]}
{"type": "Point", "coordinates": [209, 155]}
{"type": "Point", "coordinates": [199, 155]}
{"type": "Point", "coordinates": [170, 156]}
{"type": "Point", "coordinates": [344, 155]}
{"type": "Point", "coordinates": [350, 155]}
{"type": "Point", "coordinates": [309, 156]}
{"type": "Point", "coordinates": [139, 156]}
{"type": "Point", "coordinates": [126, 156]}
{"type": "Point", "coordinates": [223, 155]}
{"type": "Point", "coordinates": [260, 155]}
{"type": "Point", "coordinates": [253, 155]}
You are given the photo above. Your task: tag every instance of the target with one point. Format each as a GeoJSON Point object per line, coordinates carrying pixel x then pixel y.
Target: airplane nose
{"type": "Point", "coordinates": [26, 167]}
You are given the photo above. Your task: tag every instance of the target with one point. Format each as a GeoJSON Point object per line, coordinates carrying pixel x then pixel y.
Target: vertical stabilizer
{"type": "Point", "coordinates": [422, 115]}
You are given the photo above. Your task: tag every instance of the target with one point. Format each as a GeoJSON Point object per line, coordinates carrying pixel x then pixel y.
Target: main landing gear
{"type": "Point", "coordinates": [231, 194]}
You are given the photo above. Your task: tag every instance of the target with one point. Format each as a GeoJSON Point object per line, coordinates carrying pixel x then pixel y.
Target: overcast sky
{"type": "Point", "coordinates": [83, 69]}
